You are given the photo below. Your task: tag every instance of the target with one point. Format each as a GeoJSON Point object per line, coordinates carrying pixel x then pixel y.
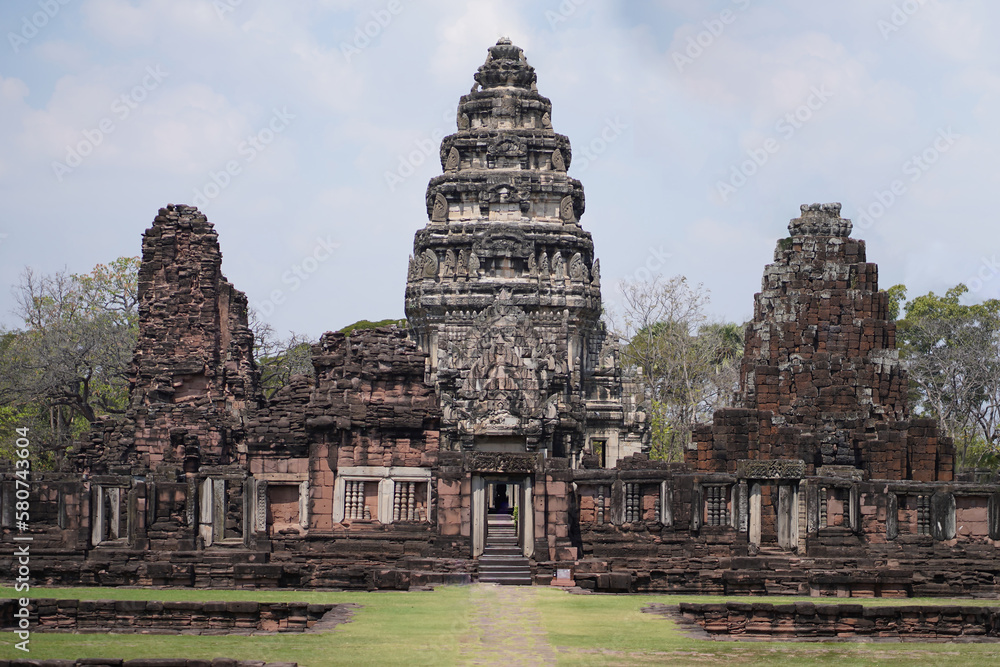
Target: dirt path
{"type": "Point", "coordinates": [506, 628]}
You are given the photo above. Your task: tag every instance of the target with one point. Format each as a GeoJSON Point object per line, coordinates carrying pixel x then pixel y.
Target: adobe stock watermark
{"type": "Point", "coordinates": [370, 30]}
{"type": "Point", "coordinates": [33, 24]}
{"type": "Point", "coordinates": [563, 13]}
{"type": "Point", "coordinates": [786, 127]}
{"type": "Point", "coordinates": [588, 153]}
{"type": "Point", "coordinates": [297, 274]}
{"type": "Point", "coordinates": [656, 259]}
{"type": "Point", "coordinates": [713, 28]}
{"type": "Point", "coordinates": [989, 268]}
{"type": "Point", "coordinates": [248, 150]}
{"type": "Point", "coordinates": [914, 169]}
{"type": "Point", "coordinates": [121, 109]}
{"type": "Point", "coordinates": [423, 149]}
{"type": "Point", "coordinates": [901, 14]}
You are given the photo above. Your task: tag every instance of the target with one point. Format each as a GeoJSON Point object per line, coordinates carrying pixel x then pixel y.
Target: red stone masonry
{"type": "Point", "coordinates": [194, 378]}
{"type": "Point", "coordinates": [820, 378]}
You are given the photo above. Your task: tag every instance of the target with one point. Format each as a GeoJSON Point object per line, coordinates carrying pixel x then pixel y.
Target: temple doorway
{"type": "Point", "coordinates": [498, 503]}
{"type": "Point", "coordinates": [774, 515]}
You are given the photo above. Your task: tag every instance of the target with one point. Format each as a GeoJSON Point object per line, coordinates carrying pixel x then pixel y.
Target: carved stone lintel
{"type": "Point", "coordinates": [774, 469]}
{"type": "Point", "coordinates": [847, 472]}
{"type": "Point", "coordinates": [504, 462]}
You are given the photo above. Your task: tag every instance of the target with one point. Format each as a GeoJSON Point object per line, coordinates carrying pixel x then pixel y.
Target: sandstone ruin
{"type": "Point", "coordinates": [397, 464]}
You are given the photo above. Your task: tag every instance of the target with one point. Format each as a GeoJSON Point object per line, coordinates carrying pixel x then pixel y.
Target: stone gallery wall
{"type": "Point", "coordinates": [141, 616]}
{"type": "Point", "coordinates": [823, 622]}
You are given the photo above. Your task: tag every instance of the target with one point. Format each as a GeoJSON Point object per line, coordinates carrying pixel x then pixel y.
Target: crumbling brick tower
{"type": "Point", "coordinates": [194, 377]}
{"type": "Point", "coordinates": [503, 290]}
{"type": "Point", "coordinates": [820, 379]}
{"type": "Point", "coordinates": [173, 469]}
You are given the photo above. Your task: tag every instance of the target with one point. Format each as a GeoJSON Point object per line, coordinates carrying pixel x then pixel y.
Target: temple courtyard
{"type": "Point", "coordinates": [485, 624]}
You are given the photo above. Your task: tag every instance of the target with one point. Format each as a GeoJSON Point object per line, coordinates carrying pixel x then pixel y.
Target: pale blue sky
{"type": "Point", "coordinates": [673, 100]}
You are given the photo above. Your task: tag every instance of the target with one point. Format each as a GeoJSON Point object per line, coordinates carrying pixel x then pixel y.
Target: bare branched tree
{"type": "Point", "coordinates": [279, 359]}
{"type": "Point", "coordinates": [687, 362]}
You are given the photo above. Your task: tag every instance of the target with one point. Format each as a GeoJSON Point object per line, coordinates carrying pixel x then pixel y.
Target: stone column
{"type": "Point", "coordinates": [97, 529]}
{"type": "Point", "coordinates": [386, 497]}
{"type": "Point", "coordinates": [993, 516]}
{"type": "Point", "coordinates": [666, 506]}
{"type": "Point", "coordinates": [742, 509]}
{"type": "Point", "coordinates": [260, 505]}
{"type": "Point", "coordinates": [205, 499]}
{"type": "Point", "coordinates": [785, 516]}
{"type": "Point", "coordinates": [526, 517]}
{"type": "Point", "coordinates": [617, 503]}
{"type": "Point", "coordinates": [304, 504]}
{"type": "Point", "coordinates": [812, 508]}
{"type": "Point", "coordinates": [854, 509]}
{"type": "Point", "coordinates": [478, 512]}
{"type": "Point", "coordinates": [219, 507]}
{"type": "Point", "coordinates": [754, 527]}
{"type": "Point", "coordinates": [943, 515]}
{"type": "Point", "coordinates": [891, 516]}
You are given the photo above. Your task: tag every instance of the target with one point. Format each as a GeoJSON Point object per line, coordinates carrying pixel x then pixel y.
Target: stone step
{"type": "Point", "coordinates": [507, 561]}
{"type": "Point", "coordinates": [507, 581]}
{"type": "Point", "coordinates": [509, 550]}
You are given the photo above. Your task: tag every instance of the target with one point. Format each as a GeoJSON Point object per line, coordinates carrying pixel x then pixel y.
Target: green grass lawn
{"type": "Point", "coordinates": [426, 628]}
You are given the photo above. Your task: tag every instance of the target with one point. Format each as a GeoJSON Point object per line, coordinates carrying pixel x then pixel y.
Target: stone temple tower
{"type": "Point", "coordinates": [503, 290]}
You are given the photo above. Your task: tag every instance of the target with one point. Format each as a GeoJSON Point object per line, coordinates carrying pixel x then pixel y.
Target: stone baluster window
{"type": "Point", "coordinates": [716, 506]}
{"type": "Point", "coordinates": [356, 508]}
{"type": "Point", "coordinates": [404, 502]}
{"type": "Point", "coordinates": [633, 503]}
{"type": "Point", "coordinates": [601, 503]}
{"type": "Point", "coordinates": [923, 515]}
{"type": "Point", "coordinates": [822, 507]}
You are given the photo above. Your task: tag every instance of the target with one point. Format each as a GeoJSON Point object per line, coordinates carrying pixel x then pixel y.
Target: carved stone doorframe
{"type": "Point", "coordinates": [480, 508]}
{"type": "Point", "coordinates": [784, 474]}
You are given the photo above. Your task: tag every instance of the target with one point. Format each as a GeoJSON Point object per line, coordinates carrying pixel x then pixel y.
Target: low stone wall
{"type": "Point", "coordinates": [51, 615]}
{"type": "Point", "coordinates": [144, 662]}
{"type": "Point", "coordinates": [805, 621]}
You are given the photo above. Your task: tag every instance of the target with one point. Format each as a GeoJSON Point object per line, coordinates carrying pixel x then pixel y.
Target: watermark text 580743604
{"type": "Point", "coordinates": [22, 541]}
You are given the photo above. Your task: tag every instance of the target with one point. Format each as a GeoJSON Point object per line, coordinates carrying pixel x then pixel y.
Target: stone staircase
{"type": "Point", "coordinates": [502, 561]}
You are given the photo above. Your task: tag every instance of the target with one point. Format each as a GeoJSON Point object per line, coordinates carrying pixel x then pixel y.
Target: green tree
{"type": "Point", "coordinates": [952, 354]}
{"type": "Point", "coordinates": [70, 361]}
{"type": "Point", "coordinates": [689, 365]}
